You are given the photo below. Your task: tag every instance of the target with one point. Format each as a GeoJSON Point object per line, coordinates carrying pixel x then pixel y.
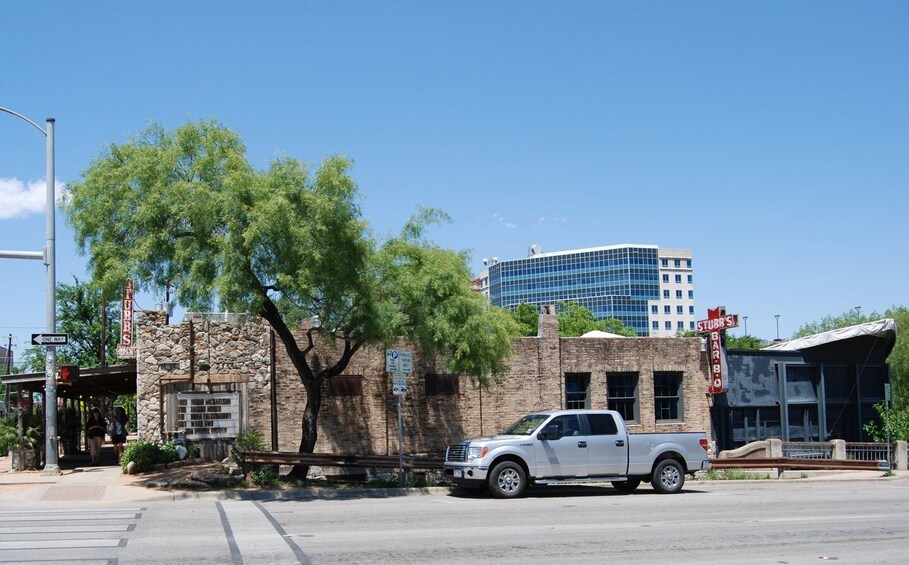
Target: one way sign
{"type": "Point", "coordinates": [50, 339]}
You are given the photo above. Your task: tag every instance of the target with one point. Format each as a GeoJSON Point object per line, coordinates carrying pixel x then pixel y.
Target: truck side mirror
{"type": "Point", "coordinates": [551, 431]}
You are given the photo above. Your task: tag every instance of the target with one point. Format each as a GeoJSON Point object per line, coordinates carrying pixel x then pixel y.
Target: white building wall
{"type": "Point", "coordinates": [676, 291]}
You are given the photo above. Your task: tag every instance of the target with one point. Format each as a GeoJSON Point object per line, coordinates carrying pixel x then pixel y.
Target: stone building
{"type": "Point", "coordinates": [235, 370]}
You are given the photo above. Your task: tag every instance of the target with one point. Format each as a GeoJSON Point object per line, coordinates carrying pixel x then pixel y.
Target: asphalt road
{"type": "Point", "coordinates": [777, 522]}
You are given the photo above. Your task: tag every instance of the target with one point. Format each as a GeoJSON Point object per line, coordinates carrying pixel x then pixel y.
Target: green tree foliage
{"type": "Point", "coordinates": [898, 361]}
{"type": "Point", "coordinates": [896, 420]}
{"type": "Point", "coordinates": [745, 342]}
{"type": "Point", "coordinates": [576, 320]}
{"type": "Point", "coordinates": [79, 316]}
{"type": "Point", "coordinates": [186, 208]}
{"type": "Point", "coordinates": [527, 317]}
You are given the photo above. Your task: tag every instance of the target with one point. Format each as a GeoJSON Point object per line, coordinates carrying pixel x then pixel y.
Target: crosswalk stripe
{"type": "Point", "coordinates": [64, 529]}
{"type": "Point", "coordinates": [40, 518]}
{"type": "Point", "coordinates": [61, 544]}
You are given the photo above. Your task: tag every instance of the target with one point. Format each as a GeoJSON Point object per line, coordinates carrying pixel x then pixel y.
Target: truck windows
{"type": "Point", "coordinates": [602, 425]}
{"type": "Point", "coordinates": [569, 425]}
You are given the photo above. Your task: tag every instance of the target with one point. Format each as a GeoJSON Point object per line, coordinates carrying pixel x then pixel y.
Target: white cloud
{"type": "Point", "coordinates": [560, 219]}
{"type": "Point", "coordinates": [510, 226]}
{"type": "Point", "coordinates": [19, 199]}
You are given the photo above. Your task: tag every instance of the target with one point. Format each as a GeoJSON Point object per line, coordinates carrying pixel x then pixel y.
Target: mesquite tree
{"type": "Point", "coordinates": [186, 208]}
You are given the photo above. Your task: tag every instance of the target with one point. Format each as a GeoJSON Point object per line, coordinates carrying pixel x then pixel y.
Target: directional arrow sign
{"type": "Point", "coordinates": [50, 339]}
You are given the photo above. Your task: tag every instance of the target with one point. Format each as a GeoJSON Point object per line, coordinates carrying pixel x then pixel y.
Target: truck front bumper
{"type": "Point", "coordinates": [466, 474]}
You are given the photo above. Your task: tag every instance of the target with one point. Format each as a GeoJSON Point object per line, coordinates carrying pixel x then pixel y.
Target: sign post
{"type": "Point", "coordinates": [717, 321]}
{"type": "Point", "coordinates": [399, 364]}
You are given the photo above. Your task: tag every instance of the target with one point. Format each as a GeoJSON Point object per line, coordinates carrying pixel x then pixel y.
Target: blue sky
{"type": "Point", "coordinates": [770, 138]}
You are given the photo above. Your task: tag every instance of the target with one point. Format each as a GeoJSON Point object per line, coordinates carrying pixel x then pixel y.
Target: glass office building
{"type": "Point", "coordinates": [619, 281]}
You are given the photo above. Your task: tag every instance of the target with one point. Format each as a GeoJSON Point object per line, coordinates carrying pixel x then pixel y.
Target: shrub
{"type": "Point", "coordinates": [265, 476]}
{"type": "Point", "coordinates": [143, 453]}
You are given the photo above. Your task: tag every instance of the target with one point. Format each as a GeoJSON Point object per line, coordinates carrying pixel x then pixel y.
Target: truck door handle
{"type": "Point", "coordinates": [582, 444]}
{"type": "Point", "coordinates": [620, 443]}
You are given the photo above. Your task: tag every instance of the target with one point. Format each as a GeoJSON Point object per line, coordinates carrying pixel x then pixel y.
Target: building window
{"type": "Point", "coordinates": [345, 385]}
{"type": "Point", "coordinates": [678, 294]}
{"type": "Point", "coordinates": [691, 309]}
{"type": "Point", "coordinates": [678, 263]}
{"type": "Point", "coordinates": [577, 390]}
{"type": "Point", "coordinates": [690, 294]}
{"type": "Point", "coordinates": [655, 325]}
{"type": "Point", "coordinates": [690, 279]}
{"type": "Point", "coordinates": [678, 278]}
{"type": "Point", "coordinates": [666, 293]}
{"type": "Point", "coordinates": [689, 263]}
{"type": "Point", "coordinates": [654, 309]}
{"type": "Point", "coordinates": [667, 309]}
{"type": "Point", "coordinates": [667, 396]}
{"type": "Point", "coordinates": [691, 326]}
{"type": "Point", "coordinates": [679, 309]}
{"type": "Point", "coordinates": [668, 325]}
{"type": "Point", "coordinates": [622, 390]}
{"type": "Point", "coordinates": [442, 384]}
{"type": "Point", "coordinates": [680, 325]}
{"type": "Point", "coordinates": [665, 278]}
{"type": "Point", "coordinates": [664, 262]}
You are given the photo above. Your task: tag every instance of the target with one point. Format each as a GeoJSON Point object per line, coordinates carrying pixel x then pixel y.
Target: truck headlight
{"type": "Point", "coordinates": [476, 453]}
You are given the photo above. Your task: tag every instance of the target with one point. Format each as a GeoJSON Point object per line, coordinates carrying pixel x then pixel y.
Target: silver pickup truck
{"type": "Point", "coordinates": [575, 446]}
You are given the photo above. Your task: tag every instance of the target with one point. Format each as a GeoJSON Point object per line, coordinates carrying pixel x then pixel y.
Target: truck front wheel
{"type": "Point", "coordinates": [668, 477]}
{"type": "Point", "coordinates": [507, 480]}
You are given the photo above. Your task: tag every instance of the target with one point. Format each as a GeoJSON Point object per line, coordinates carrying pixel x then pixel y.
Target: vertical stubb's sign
{"type": "Point", "coordinates": [126, 349]}
{"type": "Point", "coordinates": [717, 321]}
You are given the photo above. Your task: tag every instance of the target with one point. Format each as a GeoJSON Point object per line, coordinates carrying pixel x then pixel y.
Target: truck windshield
{"type": "Point", "coordinates": [526, 425]}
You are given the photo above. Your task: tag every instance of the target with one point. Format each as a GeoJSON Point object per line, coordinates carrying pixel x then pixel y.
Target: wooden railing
{"type": "Point", "coordinates": [335, 460]}
{"type": "Point", "coordinates": [797, 464]}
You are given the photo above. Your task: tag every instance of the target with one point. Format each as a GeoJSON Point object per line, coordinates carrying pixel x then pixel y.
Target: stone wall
{"type": "Point", "coordinates": [367, 424]}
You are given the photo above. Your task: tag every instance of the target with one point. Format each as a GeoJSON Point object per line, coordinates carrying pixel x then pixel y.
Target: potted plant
{"type": "Point", "coordinates": [23, 444]}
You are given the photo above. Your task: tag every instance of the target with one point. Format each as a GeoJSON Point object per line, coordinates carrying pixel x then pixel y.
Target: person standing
{"type": "Point", "coordinates": [96, 427]}
{"type": "Point", "coordinates": [118, 431]}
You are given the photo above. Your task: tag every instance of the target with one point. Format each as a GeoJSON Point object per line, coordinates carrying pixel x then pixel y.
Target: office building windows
{"type": "Point", "coordinates": [654, 309]}
{"type": "Point", "coordinates": [690, 294]}
{"type": "Point", "coordinates": [664, 262]}
{"type": "Point", "coordinates": [691, 326]}
{"type": "Point", "coordinates": [690, 279]}
{"type": "Point", "coordinates": [667, 309]}
{"type": "Point", "coordinates": [665, 278]}
{"type": "Point", "coordinates": [691, 309]}
{"type": "Point", "coordinates": [689, 263]}
{"type": "Point", "coordinates": [678, 294]}
{"type": "Point", "coordinates": [679, 309]}
{"type": "Point", "coordinates": [678, 278]}
{"type": "Point", "coordinates": [678, 263]}
{"type": "Point", "coordinates": [666, 293]}
{"type": "Point", "coordinates": [668, 325]}
{"type": "Point", "coordinates": [680, 325]}
{"type": "Point", "coordinates": [655, 325]}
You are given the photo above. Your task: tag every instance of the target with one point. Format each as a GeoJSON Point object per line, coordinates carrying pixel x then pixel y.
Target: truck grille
{"type": "Point", "coordinates": [456, 452]}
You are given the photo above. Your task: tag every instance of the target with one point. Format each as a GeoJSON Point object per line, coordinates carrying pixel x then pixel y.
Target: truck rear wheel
{"type": "Point", "coordinates": [626, 487]}
{"type": "Point", "coordinates": [668, 477]}
{"type": "Point", "coordinates": [507, 480]}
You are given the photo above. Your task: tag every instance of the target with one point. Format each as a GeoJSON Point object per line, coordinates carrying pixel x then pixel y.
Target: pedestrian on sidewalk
{"type": "Point", "coordinates": [118, 430]}
{"type": "Point", "coordinates": [96, 427]}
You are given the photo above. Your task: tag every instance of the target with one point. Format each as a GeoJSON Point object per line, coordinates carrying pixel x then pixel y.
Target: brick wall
{"type": "Point", "coordinates": [534, 380]}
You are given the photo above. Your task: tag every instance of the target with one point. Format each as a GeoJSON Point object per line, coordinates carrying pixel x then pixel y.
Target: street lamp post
{"type": "Point", "coordinates": [777, 316]}
{"type": "Point", "coordinates": [48, 255]}
{"type": "Point", "coordinates": [746, 324]}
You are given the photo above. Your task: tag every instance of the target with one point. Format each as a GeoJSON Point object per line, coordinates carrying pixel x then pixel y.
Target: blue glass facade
{"type": "Point", "coordinates": [613, 282]}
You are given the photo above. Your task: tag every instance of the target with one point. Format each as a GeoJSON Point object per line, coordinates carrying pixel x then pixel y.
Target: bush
{"type": "Point", "coordinates": [265, 476]}
{"type": "Point", "coordinates": [143, 453]}
{"type": "Point", "coordinates": [247, 441]}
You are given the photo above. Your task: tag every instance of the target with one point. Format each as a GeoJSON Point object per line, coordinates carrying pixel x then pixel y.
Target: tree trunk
{"type": "Point", "coordinates": [310, 432]}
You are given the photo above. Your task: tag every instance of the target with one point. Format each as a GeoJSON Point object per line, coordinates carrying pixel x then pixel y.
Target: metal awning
{"type": "Point", "coordinates": [93, 382]}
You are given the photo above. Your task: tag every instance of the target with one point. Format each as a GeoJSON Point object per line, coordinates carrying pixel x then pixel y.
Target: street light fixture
{"type": "Point", "coordinates": [48, 255]}
{"type": "Point", "coordinates": [746, 324]}
{"type": "Point", "coordinates": [777, 316]}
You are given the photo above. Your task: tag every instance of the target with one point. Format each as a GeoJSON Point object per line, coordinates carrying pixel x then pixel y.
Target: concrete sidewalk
{"type": "Point", "coordinates": [107, 484]}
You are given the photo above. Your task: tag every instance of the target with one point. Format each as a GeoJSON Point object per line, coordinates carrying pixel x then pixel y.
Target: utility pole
{"type": "Point", "coordinates": [48, 257]}
{"type": "Point", "coordinates": [9, 368]}
{"type": "Point", "coordinates": [102, 352]}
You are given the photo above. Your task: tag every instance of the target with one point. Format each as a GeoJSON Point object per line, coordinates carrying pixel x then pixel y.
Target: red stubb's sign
{"type": "Point", "coordinates": [717, 321]}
